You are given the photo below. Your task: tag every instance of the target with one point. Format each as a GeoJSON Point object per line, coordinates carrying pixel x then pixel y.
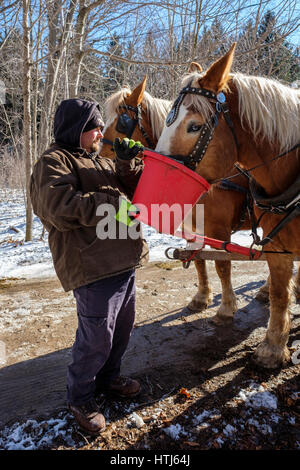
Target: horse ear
{"type": "Point", "coordinates": [137, 95]}
{"type": "Point", "coordinates": [195, 67]}
{"type": "Point", "coordinates": [217, 75]}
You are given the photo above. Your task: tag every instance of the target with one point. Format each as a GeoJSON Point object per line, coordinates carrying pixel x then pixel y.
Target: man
{"type": "Point", "coordinates": [69, 182]}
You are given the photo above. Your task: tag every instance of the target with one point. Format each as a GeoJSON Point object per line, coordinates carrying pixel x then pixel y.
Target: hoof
{"type": "Point", "coordinates": [199, 303]}
{"type": "Point", "coordinates": [197, 306]}
{"type": "Point", "coordinates": [262, 295]}
{"type": "Point", "coordinates": [227, 309]}
{"type": "Point", "coordinates": [270, 356]}
{"type": "Point", "coordinates": [221, 320]}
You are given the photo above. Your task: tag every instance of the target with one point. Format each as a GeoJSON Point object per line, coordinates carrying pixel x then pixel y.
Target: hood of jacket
{"type": "Point", "coordinates": [70, 119]}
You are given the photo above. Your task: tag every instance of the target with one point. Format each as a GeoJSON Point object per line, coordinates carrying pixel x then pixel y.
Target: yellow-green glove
{"type": "Point", "coordinates": [126, 149]}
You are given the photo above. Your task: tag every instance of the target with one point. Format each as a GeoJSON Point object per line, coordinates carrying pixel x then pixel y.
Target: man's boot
{"type": "Point", "coordinates": [89, 417]}
{"type": "Point", "coordinates": [121, 387]}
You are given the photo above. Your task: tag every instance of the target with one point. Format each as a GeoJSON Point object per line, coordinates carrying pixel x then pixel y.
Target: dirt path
{"type": "Point", "coordinates": [170, 347]}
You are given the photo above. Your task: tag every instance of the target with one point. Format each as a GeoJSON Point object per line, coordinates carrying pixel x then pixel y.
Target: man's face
{"type": "Point", "coordinates": [90, 140]}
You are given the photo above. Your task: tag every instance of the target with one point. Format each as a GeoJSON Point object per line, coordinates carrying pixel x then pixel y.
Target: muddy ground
{"type": "Point", "coordinates": [197, 378]}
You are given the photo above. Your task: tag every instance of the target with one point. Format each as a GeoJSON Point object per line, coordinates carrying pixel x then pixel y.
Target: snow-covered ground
{"type": "Point", "coordinates": [33, 259]}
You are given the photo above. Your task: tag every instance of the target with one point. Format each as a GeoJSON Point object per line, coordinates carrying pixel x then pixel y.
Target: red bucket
{"type": "Point", "coordinates": [166, 192]}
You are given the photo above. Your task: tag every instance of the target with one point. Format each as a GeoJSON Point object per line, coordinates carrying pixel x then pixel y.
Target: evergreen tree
{"type": "Point", "coordinates": [276, 56]}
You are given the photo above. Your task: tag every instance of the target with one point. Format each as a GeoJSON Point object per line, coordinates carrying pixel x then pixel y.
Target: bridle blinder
{"type": "Point", "coordinates": [126, 125]}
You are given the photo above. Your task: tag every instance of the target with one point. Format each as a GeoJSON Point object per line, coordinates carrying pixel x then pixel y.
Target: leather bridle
{"type": "Point", "coordinates": [207, 129]}
{"type": "Point", "coordinates": [126, 125]}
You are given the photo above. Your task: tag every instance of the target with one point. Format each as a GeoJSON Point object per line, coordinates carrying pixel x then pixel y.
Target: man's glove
{"type": "Point", "coordinates": [127, 149]}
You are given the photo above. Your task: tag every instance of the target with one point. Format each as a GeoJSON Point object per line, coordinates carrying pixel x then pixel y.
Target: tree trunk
{"type": "Point", "coordinates": [57, 46]}
{"type": "Point", "coordinates": [27, 143]}
{"type": "Point", "coordinates": [78, 46]}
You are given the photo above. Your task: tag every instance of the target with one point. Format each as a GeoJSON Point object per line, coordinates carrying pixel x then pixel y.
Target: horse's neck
{"type": "Point", "coordinates": [274, 175]}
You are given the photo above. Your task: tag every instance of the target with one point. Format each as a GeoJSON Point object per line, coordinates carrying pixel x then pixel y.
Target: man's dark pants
{"type": "Point", "coordinates": [106, 310]}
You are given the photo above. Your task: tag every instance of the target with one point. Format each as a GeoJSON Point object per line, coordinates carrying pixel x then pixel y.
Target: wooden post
{"type": "Point", "coordinates": [215, 255]}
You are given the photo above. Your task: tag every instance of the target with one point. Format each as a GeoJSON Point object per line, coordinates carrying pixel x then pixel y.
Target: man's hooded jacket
{"type": "Point", "coordinates": [68, 189]}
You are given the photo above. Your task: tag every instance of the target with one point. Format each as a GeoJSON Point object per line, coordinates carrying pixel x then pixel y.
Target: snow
{"type": "Point", "coordinates": [33, 435]}
{"type": "Point", "coordinates": [257, 397]}
{"type": "Point", "coordinates": [20, 259]}
{"type": "Point", "coordinates": [175, 431]}
{"type": "Point", "coordinates": [229, 430]}
{"type": "Point", "coordinates": [137, 420]}
{"type": "Point", "coordinates": [17, 258]}
{"type": "Point", "coordinates": [264, 428]}
{"type": "Point", "coordinates": [206, 414]}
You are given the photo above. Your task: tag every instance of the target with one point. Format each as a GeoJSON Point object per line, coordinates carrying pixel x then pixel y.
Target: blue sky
{"type": "Point", "coordinates": [157, 21]}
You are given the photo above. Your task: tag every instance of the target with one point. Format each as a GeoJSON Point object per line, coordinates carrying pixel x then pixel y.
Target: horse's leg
{"type": "Point", "coordinates": [228, 305]}
{"type": "Point", "coordinates": [203, 297]}
{"type": "Point", "coordinates": [263, 293]}
{"type": "Point", "coordinates": [273, 352]}
{"type": "Point", "coordinates": [297, 285]}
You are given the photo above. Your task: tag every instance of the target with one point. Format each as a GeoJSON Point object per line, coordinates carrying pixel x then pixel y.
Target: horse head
{"type": "Point", "coordinates": [133, 114]}
{"type": "Point", "coordinates": [193, 112]}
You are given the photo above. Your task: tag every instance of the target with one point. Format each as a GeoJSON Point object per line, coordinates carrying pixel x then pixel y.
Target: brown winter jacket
{"type": "Point", "coordinates": [67, 186]}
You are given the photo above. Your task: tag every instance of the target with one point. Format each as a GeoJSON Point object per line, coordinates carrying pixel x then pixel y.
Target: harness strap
{"type": "Point", "coordinates": [279, 204]}
{"type": "Point", "coordinates": [202, 143]}
{"type": "Point", "coordinates": [144, 133]}
{"type": "Point", "coordinates": [241, 171]}
{"type": "Point", "coordinates": [294, 212]}
{"type": "Point", "coordinates": [254, 223]}
{"type": "Point", "coordinates": [230, 186]}
{"type": "Point", "coordinates": [229, 122]}
{"type": "Point", "coordinates": [201, 91]}
{"type": "Point", "coordinates": [247, 172]}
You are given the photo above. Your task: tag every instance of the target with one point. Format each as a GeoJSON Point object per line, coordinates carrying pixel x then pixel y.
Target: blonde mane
{"type": "Point", "coordinates": [157, 109]}
{"type": "Point", "coordinates": [270, 109]}
{"type": "Point", "coordinates": [112, 103]}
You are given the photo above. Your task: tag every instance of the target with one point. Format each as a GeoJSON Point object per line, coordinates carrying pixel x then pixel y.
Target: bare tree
{"type": "Point", "coordinates": [88, 48]}
{"type": "Point", "coordinates": [27, 143]}
{"type": "Point", "coordinates": [58, 38]}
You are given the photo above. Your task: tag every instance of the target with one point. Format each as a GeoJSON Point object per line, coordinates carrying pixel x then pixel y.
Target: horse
{"type": "Point", "coordinates": [221, 119]}
{"type": "Point", "coordinates": [121, 110]}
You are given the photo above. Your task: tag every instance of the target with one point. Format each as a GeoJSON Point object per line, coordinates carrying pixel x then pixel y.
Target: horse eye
{"type": "Point", "coordinates": [194, 127]}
